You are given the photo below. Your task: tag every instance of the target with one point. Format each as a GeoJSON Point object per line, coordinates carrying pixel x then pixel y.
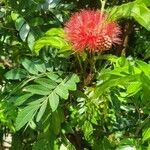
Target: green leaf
{"type": "Point", "coordinates": [2, 14]}
{"type": "Point", "coordinates": [133, 88]}
{"type": "Point", "coordinates": [41, 111]}
{"type": "Point", "coordinates": [103, 144]}
{"type": "Point", "coordinates": [143, 66]}
{"type": "Point", "coordinates": [56, 123]}
{"type": "Point", "coordinates": [113, 82]}
{"type": "Point", "coordinates": [53, 76]}
{"type": "Point", "coordinates": [62, 91]}
{"type": "Point", "coordinates": [145, 88]}
{"type": "Point", "coordinates": [36, 21]}
{"type": "Point", "coordinates": [146, 2]}
{"type": "Point", "coordinates": [146, 134]}
{"type": "Point", "coordinates": [16, 74]}
{"type": "Point", "coordinates": [136, 10]}
{"type": "Point", "coordinates": [54, 38]}
{"type": "Point", "coordinates": [126, 147]}
{"type": "Point", "coordinates": [31, 40]}
{"type": "Point", "coordinates": [29, 66]}
{"type": "Point", "coordinates": [14, 16]}
{"type": "Point", "coordinates": [37, 89]}
{"type": "Point", "coordinates": [54, 101]}
{"type": "Point", "coordinates": [24, 31]}
{"type": "Point", "coordinates": [40, 66]}
{"type": "Point", "coordinates": [19, 23]}
{"type": "Point", "coordinates": [55, 32]}
{"type": "Point", "coordinates": [37, 101]}
{"type": "Point", "coordinates": [88, 129]}
{"type": "Point", "coordinates": [128, 141]}
{"type": "Point", "coordinates": [121, 11]}
{"type": "Point", "coordinates": [25, 116]}
{"type": "Point", "coordinates": [141, 14]}
{"type": "Point", "coordinates": [32, 125]}
{"type": "Point", "coordinates": [21, 99]}
{"type": "Point", "coordinates": [53, 41]}
{"type": "Point", "coordinates": [71, 83]}
{"type": "Point", "coordinates": [48, 83]}
{"type": "Point", "coordinates": [41, 144]}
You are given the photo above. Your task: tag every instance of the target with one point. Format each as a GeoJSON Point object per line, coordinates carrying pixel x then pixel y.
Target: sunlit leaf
{"type": "Point", "coordinates": [53, 41]}
{"type": "Point", "coordinates": [55, 32]}
{"type": "Point", "coordinates": [146, 134]}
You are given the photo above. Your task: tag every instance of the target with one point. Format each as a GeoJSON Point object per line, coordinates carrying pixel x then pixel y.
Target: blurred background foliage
{"type": "Point", "coordinates": [47, 104]}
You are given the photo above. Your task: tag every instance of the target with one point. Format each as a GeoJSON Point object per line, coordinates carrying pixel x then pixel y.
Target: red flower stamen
{"type": "Point", "coordinates": [89, 29]}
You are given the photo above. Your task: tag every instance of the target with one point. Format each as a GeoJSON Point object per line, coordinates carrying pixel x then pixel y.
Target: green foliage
{"type": "Point", "coordinates": [55, 99]}
{"type": "Point", "coordinates": [15, 74]}
{"type": "Point", "coordinates": [146, 134]}
{"type": "Point", "coordinates": [46, 87]}
{"type": "Point", "coordinates": [54, 38]}
{"type": "Point", "coordinates": [130, 75]}
{"type": "Point", "coordinates": [7, 115]}
{"type": "Point", "coordinates": [136, 9]}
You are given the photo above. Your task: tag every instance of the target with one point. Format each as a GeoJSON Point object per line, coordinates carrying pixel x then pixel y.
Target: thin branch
{"type": "Point", "coordinates": [103, 2]}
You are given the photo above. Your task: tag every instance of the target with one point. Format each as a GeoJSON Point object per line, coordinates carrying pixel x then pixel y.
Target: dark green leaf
{"type": "Point", "coordinates": [29, 66]}
{"type": "Point", "coordinates": [37, 89]}
{"type": "Point", "coordinates": [36, 21]}
{"type": "Point", "coordinates": [16, 74]}
{"type": "Point", "coordinates": [56, 122]}
{"type": "Point", "coordinates": [48, 83]}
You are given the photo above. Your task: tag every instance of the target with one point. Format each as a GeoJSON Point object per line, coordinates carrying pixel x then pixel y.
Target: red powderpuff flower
{"type": "Point", "coordinates": [89, 29]}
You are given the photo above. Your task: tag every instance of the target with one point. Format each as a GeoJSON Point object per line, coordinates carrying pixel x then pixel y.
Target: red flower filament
{"type": "Point", "coordinates": [89, 30]}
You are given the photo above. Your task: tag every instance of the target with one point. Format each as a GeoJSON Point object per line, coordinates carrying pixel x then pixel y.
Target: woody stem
{"type": "Point", "coordinates": [80, 63]}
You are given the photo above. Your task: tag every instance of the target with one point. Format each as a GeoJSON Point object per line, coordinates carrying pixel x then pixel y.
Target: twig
{"type": "Point", "coordinates": [80, 64]}
{"type": "Point", "coordinates": [142, 125]}
{"type": "Point", "coordinates": [103, 2]}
